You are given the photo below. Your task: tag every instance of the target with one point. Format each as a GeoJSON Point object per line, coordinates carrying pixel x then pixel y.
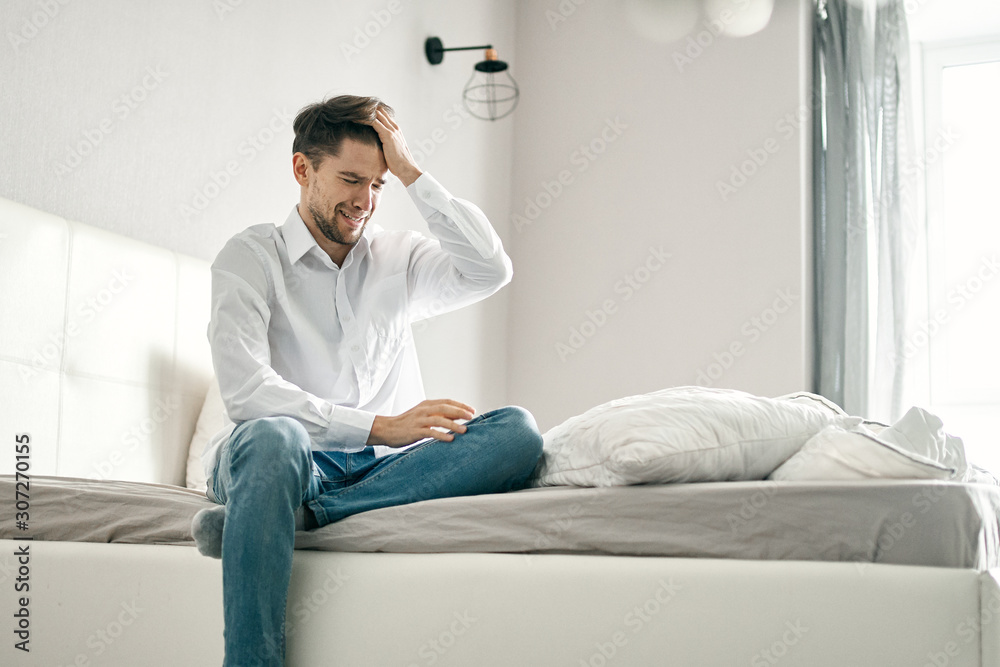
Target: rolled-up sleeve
{"type": "Point", "coordinates": [250, 387]}
{"type": "Point", "coordinates": [465, 262]}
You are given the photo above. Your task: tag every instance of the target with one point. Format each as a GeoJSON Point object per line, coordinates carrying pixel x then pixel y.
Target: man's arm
{"type": "Point", "coordinates": [467, 263]}
{"type": "Point", "coordinates": [397, 155]}
{"type": "Point", "coordinates": [252, 389]}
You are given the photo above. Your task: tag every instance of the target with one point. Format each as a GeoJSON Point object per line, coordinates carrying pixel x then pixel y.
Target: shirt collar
{"type": "Point", "coordinates": [299, 240]}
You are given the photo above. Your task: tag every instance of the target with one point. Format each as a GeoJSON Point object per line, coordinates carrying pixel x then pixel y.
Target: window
{"type": "Point", "coordinates": [962, 155]}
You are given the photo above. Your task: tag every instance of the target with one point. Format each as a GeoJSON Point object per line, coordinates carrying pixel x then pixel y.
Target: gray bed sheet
{"type": "Point", "coordinates": [944, 524]}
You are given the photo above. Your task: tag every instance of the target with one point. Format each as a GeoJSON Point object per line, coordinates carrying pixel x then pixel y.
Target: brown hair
{"type": "Point", "coordinates": [321, 127]}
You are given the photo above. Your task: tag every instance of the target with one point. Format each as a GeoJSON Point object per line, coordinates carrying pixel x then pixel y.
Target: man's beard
{"type": "Point", "coordinates": [329, 227]}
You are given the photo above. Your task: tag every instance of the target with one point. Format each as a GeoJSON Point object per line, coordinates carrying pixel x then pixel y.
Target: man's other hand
{"type": "Point", "coordinates": [397, 155]}
{"type": "Point", "coordinates": [418, 423]}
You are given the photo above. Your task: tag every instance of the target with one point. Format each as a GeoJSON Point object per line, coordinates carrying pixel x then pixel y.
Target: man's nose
{"type": "Point", "coordinates": [363, 198]}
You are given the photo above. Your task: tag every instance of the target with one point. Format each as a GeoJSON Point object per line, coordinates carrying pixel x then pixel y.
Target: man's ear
{"type": "Point", "coordinates": [301, 168]}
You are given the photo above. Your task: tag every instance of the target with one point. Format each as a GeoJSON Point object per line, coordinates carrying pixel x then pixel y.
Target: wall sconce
{"type": "Point", "coordinates": [491, 93]}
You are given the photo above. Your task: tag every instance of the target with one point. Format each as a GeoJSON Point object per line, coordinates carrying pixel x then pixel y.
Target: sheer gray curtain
{"type": "Point", "coordinates": [864, 214]}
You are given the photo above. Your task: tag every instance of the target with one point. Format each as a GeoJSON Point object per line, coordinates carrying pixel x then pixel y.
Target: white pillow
{"type": "Point", "coordinates": [922, 433]}
{"type": "Point", "coordinates": [681, 434]}
{"type": "Point", "coordinates": [815, 400]}
{"type": "Point", "coordinates": [211, 420]}
{"type": "Point", "coordinates": [850, 451]}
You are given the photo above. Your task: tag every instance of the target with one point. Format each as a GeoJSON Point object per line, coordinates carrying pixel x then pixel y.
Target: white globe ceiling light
{"type": "Point", "coordinates": [667, 21]}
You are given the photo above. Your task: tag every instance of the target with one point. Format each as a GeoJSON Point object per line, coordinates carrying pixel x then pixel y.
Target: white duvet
{"type": "Point", "coordinates": [698, 434]}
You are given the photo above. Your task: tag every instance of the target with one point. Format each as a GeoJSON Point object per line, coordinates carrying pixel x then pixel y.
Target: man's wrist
{"type": "Point", "coordinates": [409, 176]}
{"type": "Point", "coordinates": [375, 434]}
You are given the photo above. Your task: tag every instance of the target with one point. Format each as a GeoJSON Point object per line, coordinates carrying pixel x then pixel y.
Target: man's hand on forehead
{"type": "Point", "coordinates": [397, 156]}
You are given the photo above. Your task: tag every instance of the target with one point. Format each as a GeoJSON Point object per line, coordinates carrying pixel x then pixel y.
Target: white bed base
{"type": "Point", "coordinates": [116, 604]}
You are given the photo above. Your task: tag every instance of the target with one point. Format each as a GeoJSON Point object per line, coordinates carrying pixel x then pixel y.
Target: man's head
{"type": "Point", "coordinates": [321, 128]}
{"type": "Point", "coordinates": [337, 160]}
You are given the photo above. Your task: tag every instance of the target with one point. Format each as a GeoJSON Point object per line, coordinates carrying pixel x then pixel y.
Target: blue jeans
{"type": "Point", "coordinates": [267, 470]}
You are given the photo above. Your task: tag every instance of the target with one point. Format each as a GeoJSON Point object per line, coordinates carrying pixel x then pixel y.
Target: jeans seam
{"type": "Point", "coordinates": [313, 504]}
{"type": "Point", "coordinates": [362, 483]}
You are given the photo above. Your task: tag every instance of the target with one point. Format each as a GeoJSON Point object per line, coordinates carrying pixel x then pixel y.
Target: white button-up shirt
{"type": "Point", "coordinates": [293, 334]}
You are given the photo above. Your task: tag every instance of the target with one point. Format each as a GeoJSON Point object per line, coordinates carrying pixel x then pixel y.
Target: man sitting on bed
{"type": "Point", "coordinates": [311, 342]}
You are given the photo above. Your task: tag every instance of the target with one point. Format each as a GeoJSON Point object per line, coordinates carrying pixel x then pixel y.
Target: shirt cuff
{"type": "Point", "coordinates": [349, 429]}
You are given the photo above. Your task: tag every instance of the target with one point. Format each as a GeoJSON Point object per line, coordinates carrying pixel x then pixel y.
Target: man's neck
{"type": "Point", "coordinates": [337, 251]}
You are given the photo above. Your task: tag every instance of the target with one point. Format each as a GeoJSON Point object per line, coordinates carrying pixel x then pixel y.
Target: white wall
{"type": "Point", "coordinates": [162, 97]}
{"type": "Point", "coordinates": [682, 128]}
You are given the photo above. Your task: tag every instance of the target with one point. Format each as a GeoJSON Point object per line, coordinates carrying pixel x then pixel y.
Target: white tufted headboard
{"type": "Point", "coordinates": [104, 359]}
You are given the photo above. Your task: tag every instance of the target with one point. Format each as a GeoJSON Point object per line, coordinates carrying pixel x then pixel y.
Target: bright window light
{"type": "Point", "coordinates": [964, 253]}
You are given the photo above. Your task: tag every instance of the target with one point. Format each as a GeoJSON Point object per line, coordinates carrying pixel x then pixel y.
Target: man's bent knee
{"type": "Point", "coordinates": [523, 438]}
{"type": "Point", "coordinates": [272, 440]}
{"type": "Point", "coordinates": [522, 423]}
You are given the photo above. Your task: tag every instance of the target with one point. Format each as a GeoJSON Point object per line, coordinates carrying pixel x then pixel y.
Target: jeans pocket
{"type": "Point", "coordinates": [332, 467]}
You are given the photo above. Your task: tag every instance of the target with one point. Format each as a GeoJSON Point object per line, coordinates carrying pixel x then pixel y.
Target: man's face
{"type": "Point", "coordinates": [344, 190]}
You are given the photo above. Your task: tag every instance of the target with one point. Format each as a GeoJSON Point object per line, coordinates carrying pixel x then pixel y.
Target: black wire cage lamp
{"type": "Point", "coordinates": [491, 93]}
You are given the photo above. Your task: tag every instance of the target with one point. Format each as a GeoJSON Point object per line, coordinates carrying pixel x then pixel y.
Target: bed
{"type": "Point", "coordinates": [105, 370]}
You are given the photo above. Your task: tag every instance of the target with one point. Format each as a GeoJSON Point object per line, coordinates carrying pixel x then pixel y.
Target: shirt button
{"type": "Point", "coordinates": [355, 348]}
{"type": "Point", "coordinates": [347, 318]}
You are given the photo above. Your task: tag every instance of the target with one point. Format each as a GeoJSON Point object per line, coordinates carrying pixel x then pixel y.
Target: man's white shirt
{"type": "Point", "coordinates": [293, 334]}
